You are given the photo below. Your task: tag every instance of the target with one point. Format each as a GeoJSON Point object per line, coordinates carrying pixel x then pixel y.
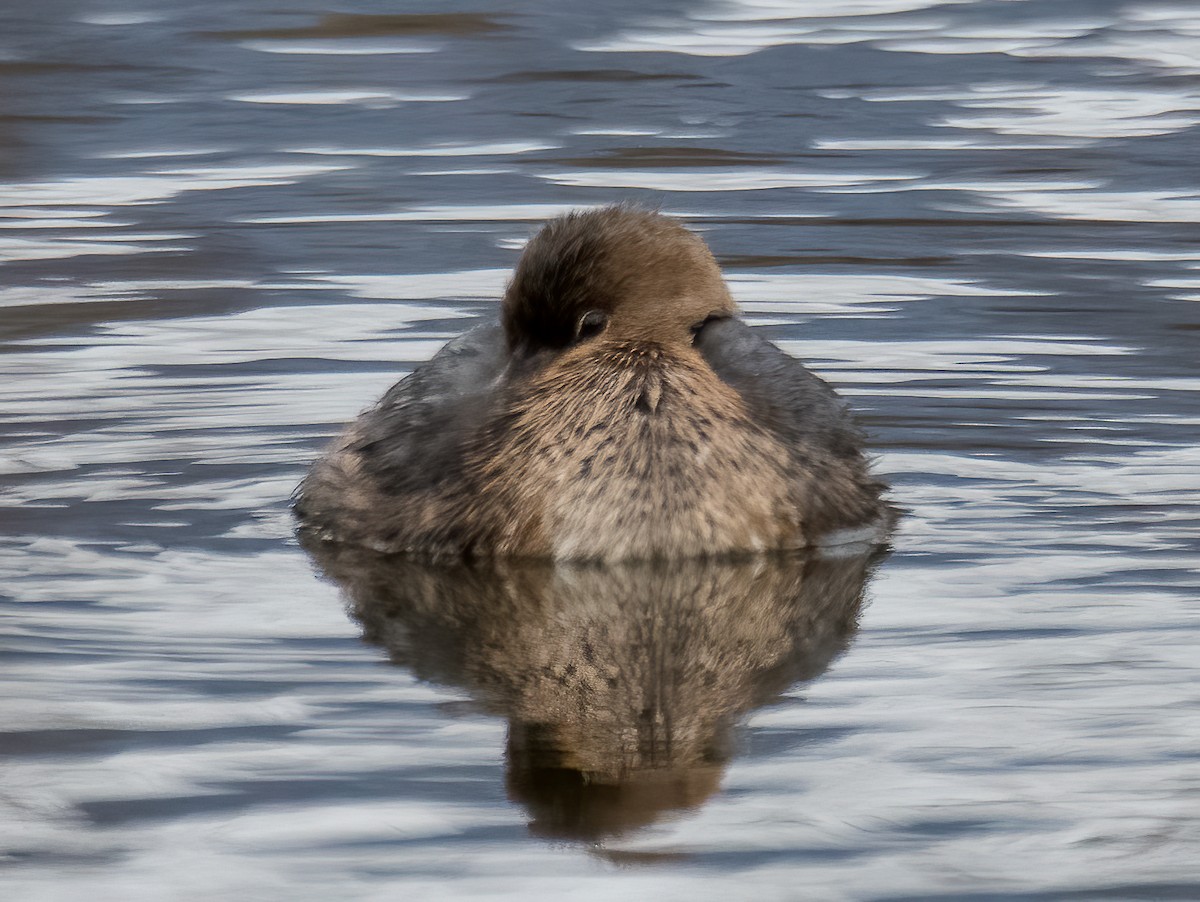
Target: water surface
{"type": "Point", "coordinates": [224, 230]}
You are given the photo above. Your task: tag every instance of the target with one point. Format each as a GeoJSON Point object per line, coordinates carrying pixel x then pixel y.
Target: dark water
{"type": "Point", "coordinates": [227, 227]}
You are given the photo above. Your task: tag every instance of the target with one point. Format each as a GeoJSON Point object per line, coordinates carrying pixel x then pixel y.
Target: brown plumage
{"type": "Point", "coordinates": [620, 411]}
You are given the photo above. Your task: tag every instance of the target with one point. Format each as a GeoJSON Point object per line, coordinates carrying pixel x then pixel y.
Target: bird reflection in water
{"type": "Point", "coordinates": [621, 684]}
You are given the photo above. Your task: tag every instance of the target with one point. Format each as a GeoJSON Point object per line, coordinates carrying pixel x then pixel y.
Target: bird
{"type": "Point", "coordinates": [619, 409]}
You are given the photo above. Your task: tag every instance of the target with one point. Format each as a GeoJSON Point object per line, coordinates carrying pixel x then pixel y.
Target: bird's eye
{"type": "Point", "coordinates": [697, 328]}
{"type": "Point", "coordinates": [590, 324]}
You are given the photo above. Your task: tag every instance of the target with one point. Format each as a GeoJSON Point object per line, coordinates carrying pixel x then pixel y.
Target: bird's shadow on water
{"type": "Point", "coordinates": [621, 684]}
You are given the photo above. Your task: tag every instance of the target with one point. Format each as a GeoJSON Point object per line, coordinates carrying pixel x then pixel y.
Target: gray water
{"type": "Point", "coordinates": [225, 228]}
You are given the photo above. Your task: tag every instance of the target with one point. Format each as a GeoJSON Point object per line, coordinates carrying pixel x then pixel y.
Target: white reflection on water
{"type": "Point", "coordinates": [1040, 110]}
{"type": "Point", "coordinates": [13, 249]}
{"type": "Point", "coordinates": [996, 37]}
{"type": "Point", "coordinates": [473, 283]}
{"type": "Point", "coordinates": [1084, 113]}
{"type": "Point", "coordinates": [325, 98]}
{"type": "Point", "coordinates": [151, 153]}
{"type": "Point", "coordinates": [530, 213]}
{"type": "Point", "coordinates": [854, 295]}
{"type": "Point", "coordinates": [1184, 282]}
{"type": "Point", "coordinates": [497, 148]}
{"type": "Point", "coordinates": [121, 19]}
{"type": "Point", "coordinates": [742, 179]}
{"type": "Point", "coordinates": [1162, 36]}
{"type": "Point", "coordinates": [767, 10]}
{"type": "Point", "coordinates": [900, 143]}
{"type": "Point", "coordinates": [1114, 254]}
{"type": "Point", "coordinates": [108, 192]}
{"type": "Point", "coordinates": [1113, 206]}
{"type": "Point", "coordinates": [737, 27]}
{"type": "Point", "coordinates": [61, 208]}
{"type": "Point", "coordinates": [344, 47]}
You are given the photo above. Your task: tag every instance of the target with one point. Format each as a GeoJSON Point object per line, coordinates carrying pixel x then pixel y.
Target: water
{"type": "Point", "coordinates": [225, 230]}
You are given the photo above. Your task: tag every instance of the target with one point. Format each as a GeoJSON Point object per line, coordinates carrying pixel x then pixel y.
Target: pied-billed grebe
{"type": "Point", "coordinates": [619, 410]}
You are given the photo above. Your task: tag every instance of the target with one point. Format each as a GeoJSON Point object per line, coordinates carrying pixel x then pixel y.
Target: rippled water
{"type": "Point", "coordinates": [225, 229]}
